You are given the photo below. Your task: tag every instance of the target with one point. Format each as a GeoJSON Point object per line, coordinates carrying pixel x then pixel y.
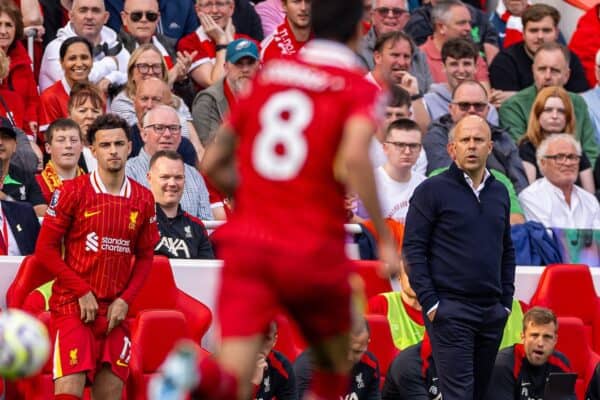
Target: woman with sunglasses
{"type": "Point", "coordinates": [552, 112]}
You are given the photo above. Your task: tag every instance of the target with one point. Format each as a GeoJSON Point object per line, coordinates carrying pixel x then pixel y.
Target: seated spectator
{"type": "Point", "coordinates": [395, 179]}
{"type": "Point", "coordinates": [274, 376]}
{"type": "Point", "coordinates": [511, 70]}
{"type": "Point", "coordinates": [76, 62]}
{"type": "Point", "coordinates": [585, 42]}
{"type": "Point", "coordinates": [451, 19]}
{"type": "Point", "coordinates": [521, 370]}
{"type": "Point", "coordinates": [181, 235]}
{"type": "Point", "coordinates": [550, 68]}
{"type": "Point", "coordinates": [210, 40]}
{"type": "Point", "coordinates": [12, 105]}
{"type": "Point", "coordinates": [64, 144]}
{"type": "Point", "coordinates": [364, 377]}
{"type": "Point", "coordinates": [211, 104]}
{"type": "Point", "coordinates": [87, 18]}
{"type": "Point", "coordinates": [459, 57]}
{"type": "Point", "coordinates": [592, 99]}
{"type": "Point", "coordinates": [420, 27]}
{"type": "Point", "coordinates": [291, 35]}
{"type": "Point", "coordinates": [86, 103]}
{"type": "Point", "coordinates": [161, 130]}
{"type": "Point", "coordinates": [470, 98]}
{"type": "Point", "coordinates": [555, 200]}
{"type": "Point", "coordinates": [507, 21]}
{"type": "Point", "coordinates": [552, 112]}
{"type": "Point", "coordinates": [271, 15]}
{"type": "Point", "coordinates": [17, 185]}
{"type": "Point", "coordinates": [21, 227]}
{"type": "Point", "coordinates": [20, 78]}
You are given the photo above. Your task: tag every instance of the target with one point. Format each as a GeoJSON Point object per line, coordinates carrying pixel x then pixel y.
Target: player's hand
{"type": "Point", "coordinates": [88, 306]}
{"type": "Point", "coordinates": [213, 30]}
{"type": "Point", "coordinates": [388, 254]}
{"type": "Point", "coordinates": [117, 312]}
{"type": "Point", "coordinates": [261, 367]}
{"type": "Point", "coordinates": [431, 315]}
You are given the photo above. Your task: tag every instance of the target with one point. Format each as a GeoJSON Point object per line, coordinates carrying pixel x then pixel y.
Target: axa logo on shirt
{"type": "Point", "coordinates": [115, 245]}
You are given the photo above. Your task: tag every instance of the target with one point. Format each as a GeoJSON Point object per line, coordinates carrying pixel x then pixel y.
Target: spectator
{"type": "Point", "coordinates": [511, 70]}
{"type": "Point", "coordinates": [365, 371]}
{"type": "Point", "coordinates": [290, 36]}
{"type": "Point", "coordinates": [550, 68]}
{"type": "Point", "coordinates": [64, 144]}
{"type": "Point", "coordinates": [17, 185]}
{"type": "Point", "coordinates": [555, 200]}
{"type": "Point", "coordinates": [391, 16]}
{"type": "Point", "coordinates": [161, 130]}
{"type": "Point", "coordinates": [470, 98]}
{"type": "Point", "coordinates": [451, 19]}
{"type": "Point", "coordinates": [110, 57]}
{"type": "Point", "coordinates": [507, 21]}
{"type": "Point", "coordinates": [483, 33]}
{"type": "Point", "coordinates": [210, 40]}
{"type": "Point", "coordinates": [592, 99]}
{"type": "Point", "coordinates": [211, 104]}
{"type": "Point", "coordinates": [459, 57]}
{"type": "Point", "coordinates": [181, 234]}
{"type": "Point", "coordinates": [12, 105]}
{"type": "Point", "coordinates": [21, 227]}
{"type": "Point", "coordinates": [20, 78]}
{"type": "Point", "coordinates": [271, 15]}
{"type": "Point", "coordinates": [585, 42]}
{"type": "Point", "coordinates": [552, 112]}
{"type": "Point", "coordinates": [246, 20]}
{"type": "Point", "coordinates": [521, 371]}
{"type": "Point", "coordinates": [76, 62]}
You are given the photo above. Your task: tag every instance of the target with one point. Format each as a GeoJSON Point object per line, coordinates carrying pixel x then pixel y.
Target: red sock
{"type": "Point", "coordinates": [215, 383]}
{"type": "Point", "coordinates": [63, 396]}
{"type": "Point", "coordinates": [328, 385]}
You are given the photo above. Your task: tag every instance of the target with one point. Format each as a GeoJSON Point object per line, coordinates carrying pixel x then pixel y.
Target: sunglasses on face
{"type": "Point", "coordinates": [136, 16]}
{"type": "Point", "coordinates": [385, 11]}
{"type": "Point", "coordinates": [466, 106]}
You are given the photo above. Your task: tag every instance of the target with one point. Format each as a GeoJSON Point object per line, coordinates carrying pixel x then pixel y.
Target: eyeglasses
{"type": "Point", "coordinates": [218, 4]}
{"type": "Point", "coordinates": [562, 158]}
{"type": "Point", "coordinates": [144, 68]}
{"type": "Point", "coordinates": [466, 106]}
{"type": "Point", "coordinates": [412, 147]}
{"type": "Point", "coordinates": [136, 16]}
{"type": "Point", "coordinates": [160, 128]}
{"type": "Point", "coordinates": [385, 11]}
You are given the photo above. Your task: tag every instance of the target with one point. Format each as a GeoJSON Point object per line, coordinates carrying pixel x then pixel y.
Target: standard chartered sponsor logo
{"type": "Point", "coordinates": [91, 242]}
{"type": "Point", "coordinates": [115, 245]}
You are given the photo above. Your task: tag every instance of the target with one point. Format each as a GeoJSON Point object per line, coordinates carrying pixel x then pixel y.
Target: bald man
{"type": "Point", "coordinates": [461, 261]}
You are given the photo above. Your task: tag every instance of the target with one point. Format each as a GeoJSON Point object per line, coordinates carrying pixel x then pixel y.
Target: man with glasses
{"type": "Point", "coordinates": [161, 130]}
{"type": "Point", "coordinates": [555, 200]}
{"type": "Point", "coordinates": [87, 19]}
{"type": "Point", "coordinates": [290, 36]}
{"type": "Point", "coordinates": [470, 98]}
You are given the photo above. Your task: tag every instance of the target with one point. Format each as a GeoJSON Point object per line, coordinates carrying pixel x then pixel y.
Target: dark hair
{"type": "Point", "coordinates": [10, 8]}
{"type": "Point", "coordinates": [399, 97]}
{"type": "Point", "coordinates": [539, 316]}
{"type": "Point", "coordinates": [335, 19]}
{"type": "Point", "coordinates": [170, 154]}
{"type": "Point", "coordinates": [539, 11]}
{"type": "Point", "coordinates": [402, 124]}
{"type": "Point", "coordinates": [82, 92]}
{"type": "Point", "coordinates": [458, 48]}
{"type": "Point", "coordinates": [554, 46]}
{"type": "Point", "coordinates": [394, 37]}
{"type": "Point", "coordinates": [61, 124]}
{"type": "Point", "coordinates": [107, 121]}
{"type": "Point", "coordinates": [72, 40]}
{"type": "Point", "coordinates": [470, 82]}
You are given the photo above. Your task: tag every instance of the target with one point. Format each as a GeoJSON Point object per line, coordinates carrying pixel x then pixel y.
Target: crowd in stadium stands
{"type": "Point", "coordinates": [173, 69]}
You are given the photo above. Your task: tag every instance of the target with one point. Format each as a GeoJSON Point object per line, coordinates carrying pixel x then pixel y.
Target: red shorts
{"type": "Point", "coordinates": [80, 347]}
{"type": "Point", "coordinates": [258, 283]}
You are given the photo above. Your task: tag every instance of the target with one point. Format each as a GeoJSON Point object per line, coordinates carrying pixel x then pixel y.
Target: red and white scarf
{"type": "Point", "coordinates": [514, 25]}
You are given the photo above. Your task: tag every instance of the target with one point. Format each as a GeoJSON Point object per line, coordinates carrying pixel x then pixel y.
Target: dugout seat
{"type": "Point", "coordinates": [568, 290]}
{"type": "Point", "coordinates": [582, 358]}
{"type": "Point", "coordinates": [381, 343]}
{"type": "Point", "coordinates": [374, 284]}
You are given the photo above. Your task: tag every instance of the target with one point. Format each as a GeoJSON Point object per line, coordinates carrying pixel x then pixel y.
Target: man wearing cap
{"type": "Point", "coordinates": [15, 183]}
{"type": "Point", "coordinates": [241, 64]}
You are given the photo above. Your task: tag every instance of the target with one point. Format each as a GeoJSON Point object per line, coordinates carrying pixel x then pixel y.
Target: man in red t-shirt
{"type": "Point", "coordinates": [103, 220]}
{"type": "Point", "coordinates": [298, 137]}
{"type": "Point", "coordinates": [290, 36]}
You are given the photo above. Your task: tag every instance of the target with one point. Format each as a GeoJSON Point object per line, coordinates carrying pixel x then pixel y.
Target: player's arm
{"type": "Point", "coordinates": [358, 133]}
{"type": "Point", "coordinates": [218, 162]}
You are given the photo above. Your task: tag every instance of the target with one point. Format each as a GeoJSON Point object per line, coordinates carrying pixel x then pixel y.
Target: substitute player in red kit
{"type": "Point", "coordinates": [103, 219]}
{"type": "Point", "coordinates": [298, 137]}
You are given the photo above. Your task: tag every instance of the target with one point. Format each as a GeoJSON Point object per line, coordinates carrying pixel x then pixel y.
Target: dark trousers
{"type": "Point", "coordinates": [464, 340]}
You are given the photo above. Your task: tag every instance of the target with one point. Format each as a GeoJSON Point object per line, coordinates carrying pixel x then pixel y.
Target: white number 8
{"type": "Point", "coordinates": [285, 132]}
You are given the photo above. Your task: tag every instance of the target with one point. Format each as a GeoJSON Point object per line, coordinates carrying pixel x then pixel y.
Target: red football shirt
{"type": "Point", "coordinates": [290, 126]}
{"type": "Point", "coordinates": [53, 104]}
{"type": "Point", "coordinates": [102, 232]}
{"type": "Point", "coordinates": [281, 43]}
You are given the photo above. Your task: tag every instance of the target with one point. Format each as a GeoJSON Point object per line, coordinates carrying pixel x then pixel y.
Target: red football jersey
{"type": "Point", "coordinates": [290, 126]}
{"type": "Point", "coordinates": [102, 232]}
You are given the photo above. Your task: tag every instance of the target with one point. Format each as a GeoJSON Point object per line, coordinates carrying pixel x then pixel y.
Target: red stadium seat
{"type": "Point", "coordinates": [374, 284]}
{"type": "Point", "coordinates": [568, 290]}
{"type": "Point", "coordinates": [381, 343]}
{"type": "Point", "coordinates": [582, 358]}
{"type": "Point", "coordinates": [30, 276]}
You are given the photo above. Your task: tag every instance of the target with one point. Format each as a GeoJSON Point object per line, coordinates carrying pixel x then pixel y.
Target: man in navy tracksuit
{"type": "Point", "coordinates": [461, 261]}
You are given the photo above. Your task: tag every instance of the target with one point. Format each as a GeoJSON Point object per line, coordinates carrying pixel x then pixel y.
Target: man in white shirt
{"type": "Point", "coordinates": [554, 200]}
